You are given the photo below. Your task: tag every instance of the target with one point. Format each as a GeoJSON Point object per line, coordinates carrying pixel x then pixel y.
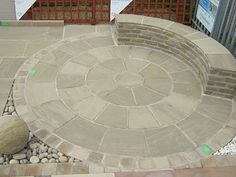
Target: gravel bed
{"type": "Point", "coordinates": [229, 149]}
{"type": "Point", "coordinates": [35, 151]}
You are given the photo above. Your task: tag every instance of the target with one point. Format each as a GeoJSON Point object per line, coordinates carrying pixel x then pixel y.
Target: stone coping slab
{"type": "Point", "coordinates": [32, 23]}
{"type": "Point", "coordinates": [60, 92]}
{"type": "Point", "coordinates": [214, 64]}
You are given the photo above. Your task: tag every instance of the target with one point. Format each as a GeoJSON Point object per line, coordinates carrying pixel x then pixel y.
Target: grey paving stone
{"type": "Point", "coordinates": [141, 117]}
{"type": "Point", "coordinates": [9, 66]}
{"type": "Point", "coordinates": [55, 113]}
{"type": "Point", "coordinates": [89, 107]}
{"type": "Point", "coordinates": [166, 114]}
{"type": "Point", "coordinates": [173, 65]}
{"type": "Point", "coordinates": [116, 65]}
{"type": "Point", "coordinates": [12, 48]}
{"type": "Point", "coordinates": [46, 90]}
{"type": "Point", "coordinates": [124, 142]}
{"type": "Point", "coordinates": [135, 65]}
{"type": "Point", "coordinates": [44, 73]}
{"type": "Point", "coordinates": [146, 96]}
{"type": "Point", "coordinates": [120, 96]}
{"type": "Point", "coordinates": [152, 71]}
{"type": "Point", "coordinates": [140, 52]}
{"type": "Point", "coordinates": [74, 48]}
{"type": "Point", "coordinates": [161, 86]}
{"type": "Point", "coordinates": [189, 90]}
{"type": "Point", "coordinates": [55, 57]}
{"type": "Point", "coordinates": [75, 30]}
{"type": "Point", "coordinates": [158, 57]}
{"type": "Point", "coordinates": [85, 59]}
{"type": "Point", "coordinates": [199, 128]}
{"type": "Point", "coordinates": [184, 77]}
{"type": "Point", "coordinates": [84, 134]}
{"type": "Point", "coordinates": [71, 96]}
{"type": "Point", "coordinates": [34, 46]}
{"type": "Point", "coordinates": [166, 141]}
{"type": "Point", "coordinates": [215, 108]}
{"type": "Point", "coordinates": [114, 116]}
{"type": "Point", "coordinates": [69, 81]}
{"type": "Point", "coordinates": [100, 41]}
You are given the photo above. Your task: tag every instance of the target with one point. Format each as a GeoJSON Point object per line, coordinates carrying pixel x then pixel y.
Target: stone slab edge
{"type": "Point", "coordinates": [33, 22]}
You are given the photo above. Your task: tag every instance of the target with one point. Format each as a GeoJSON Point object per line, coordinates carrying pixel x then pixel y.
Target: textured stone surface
{"type": "Point", "coordinates": [14, 133]}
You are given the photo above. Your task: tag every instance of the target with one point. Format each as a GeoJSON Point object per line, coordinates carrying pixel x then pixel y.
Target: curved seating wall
{"type": "Point", "coordinates": [211, 61]}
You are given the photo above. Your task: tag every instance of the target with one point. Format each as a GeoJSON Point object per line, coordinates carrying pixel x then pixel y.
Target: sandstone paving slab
{"type": "Point", "coordinates": [114, 116]}
{"type": "Point", "coordinates": [46, 90]}
{"type": "Point", "coordinates": [184, 77]}
{"type": "Point", "coordinates": [75, 30]}
{"type": "Point", "coordinates": [100, 73]}
{"type": "Point", "coordinates": [158, 57]}
{"type": "Point", "coordinates": [217, 109]}
{"type": "Point", "coordinates": [85, 59]}
{"type": "Point", "coordinates": [74, 68]}
{"type": "Point", "coordinates": [100, 41]}
{"type": "Point", "coordinates": [36, 45]}
{"type": "Point", "coordinates": [69, 81]}
{"type": "Point", "coordinates": [120, 96]}
{"type": "Point", "coordinates": [102, 87]}
{"type": "Point", "coordinates": [167, 140]}
{"type": "Point", "coordinates": [89, 107]}
{"type": "Point", "coordinates": [55, 57]}
{"type": "Point", "coordinates": [139, 52]}
{"type": "Point", "coordinates": [144, 96]}
{"type": "Point", "coordinates": [116, 65]}
{"type": "Point", "coordinates": [199, 128]}
{"type": "Point", "coordinates": [152, 71]}
{"type": "Point", "coordinates": [71, 96]}
{"type": "Point", "coordinates": [103, 53]}
{"type": "Point", "coordinates": [182, 103]}
{"type": "Point", "coordinates": [9, 66]}
{"type": "Point", "coordinates": [124, 142]}
{"type": "Point", "coordinates": [134, 65]}
{"type": "Point", "coordinates": [162, 86]}
{"type": "Point", "coordinates": [189, 90]}
{"type": "Point", "coordinates": [173, 65]}
{"type": "Point", "coordinates": [141, 117]}
{"type": "Point", "coordinates": [44, 73]}
{"type": "Point", "coordinates": [55, 113]}
{"type": "Point", "coordinates": [75, 47]}
{"type": "Point", "coordinates": [166, 114]}
{"type": "Point", "coordinates": [12, 48]}
{"type": "Point", "coordinates": [121, 51]}
{"type": "Point", "coordinates": [87, 135]}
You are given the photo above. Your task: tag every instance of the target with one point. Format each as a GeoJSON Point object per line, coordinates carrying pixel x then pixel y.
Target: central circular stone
{"type": "Point", "coordinates": [129, 79]}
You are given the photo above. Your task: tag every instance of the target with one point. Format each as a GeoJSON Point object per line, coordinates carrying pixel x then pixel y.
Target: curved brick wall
{"type": "Point", "coordinates": [211, 61]}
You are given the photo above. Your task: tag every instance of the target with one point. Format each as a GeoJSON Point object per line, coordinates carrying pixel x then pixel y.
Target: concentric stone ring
{"type": "Point", "coordinates": [154, 98]}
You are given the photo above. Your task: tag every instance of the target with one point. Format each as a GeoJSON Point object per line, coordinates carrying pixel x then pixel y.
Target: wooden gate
{"type": "Point", "coordinates": [98, 11]}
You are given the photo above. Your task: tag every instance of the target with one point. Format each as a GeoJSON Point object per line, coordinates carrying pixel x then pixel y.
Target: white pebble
{"type": "Point", "coordinates": [63, 159]}
{"type": "Point", "coordinates": [34, 159]}
{"type": "Point", "coordinates": [19, 156]}
{"type": "Point", "coordinates": [14, 161]}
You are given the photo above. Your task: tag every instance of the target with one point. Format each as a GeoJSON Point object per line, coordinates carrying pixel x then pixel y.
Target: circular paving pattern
{"type": "Point", "coordinates": [119, 101]}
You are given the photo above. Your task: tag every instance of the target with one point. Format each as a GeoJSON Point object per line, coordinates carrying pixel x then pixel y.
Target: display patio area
{"type": "Point", "coordinates": [89, 93]}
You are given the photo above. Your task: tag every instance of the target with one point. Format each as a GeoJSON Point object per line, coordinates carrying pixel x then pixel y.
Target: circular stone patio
{"type": "Point", "coordinates": [118, 106]}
